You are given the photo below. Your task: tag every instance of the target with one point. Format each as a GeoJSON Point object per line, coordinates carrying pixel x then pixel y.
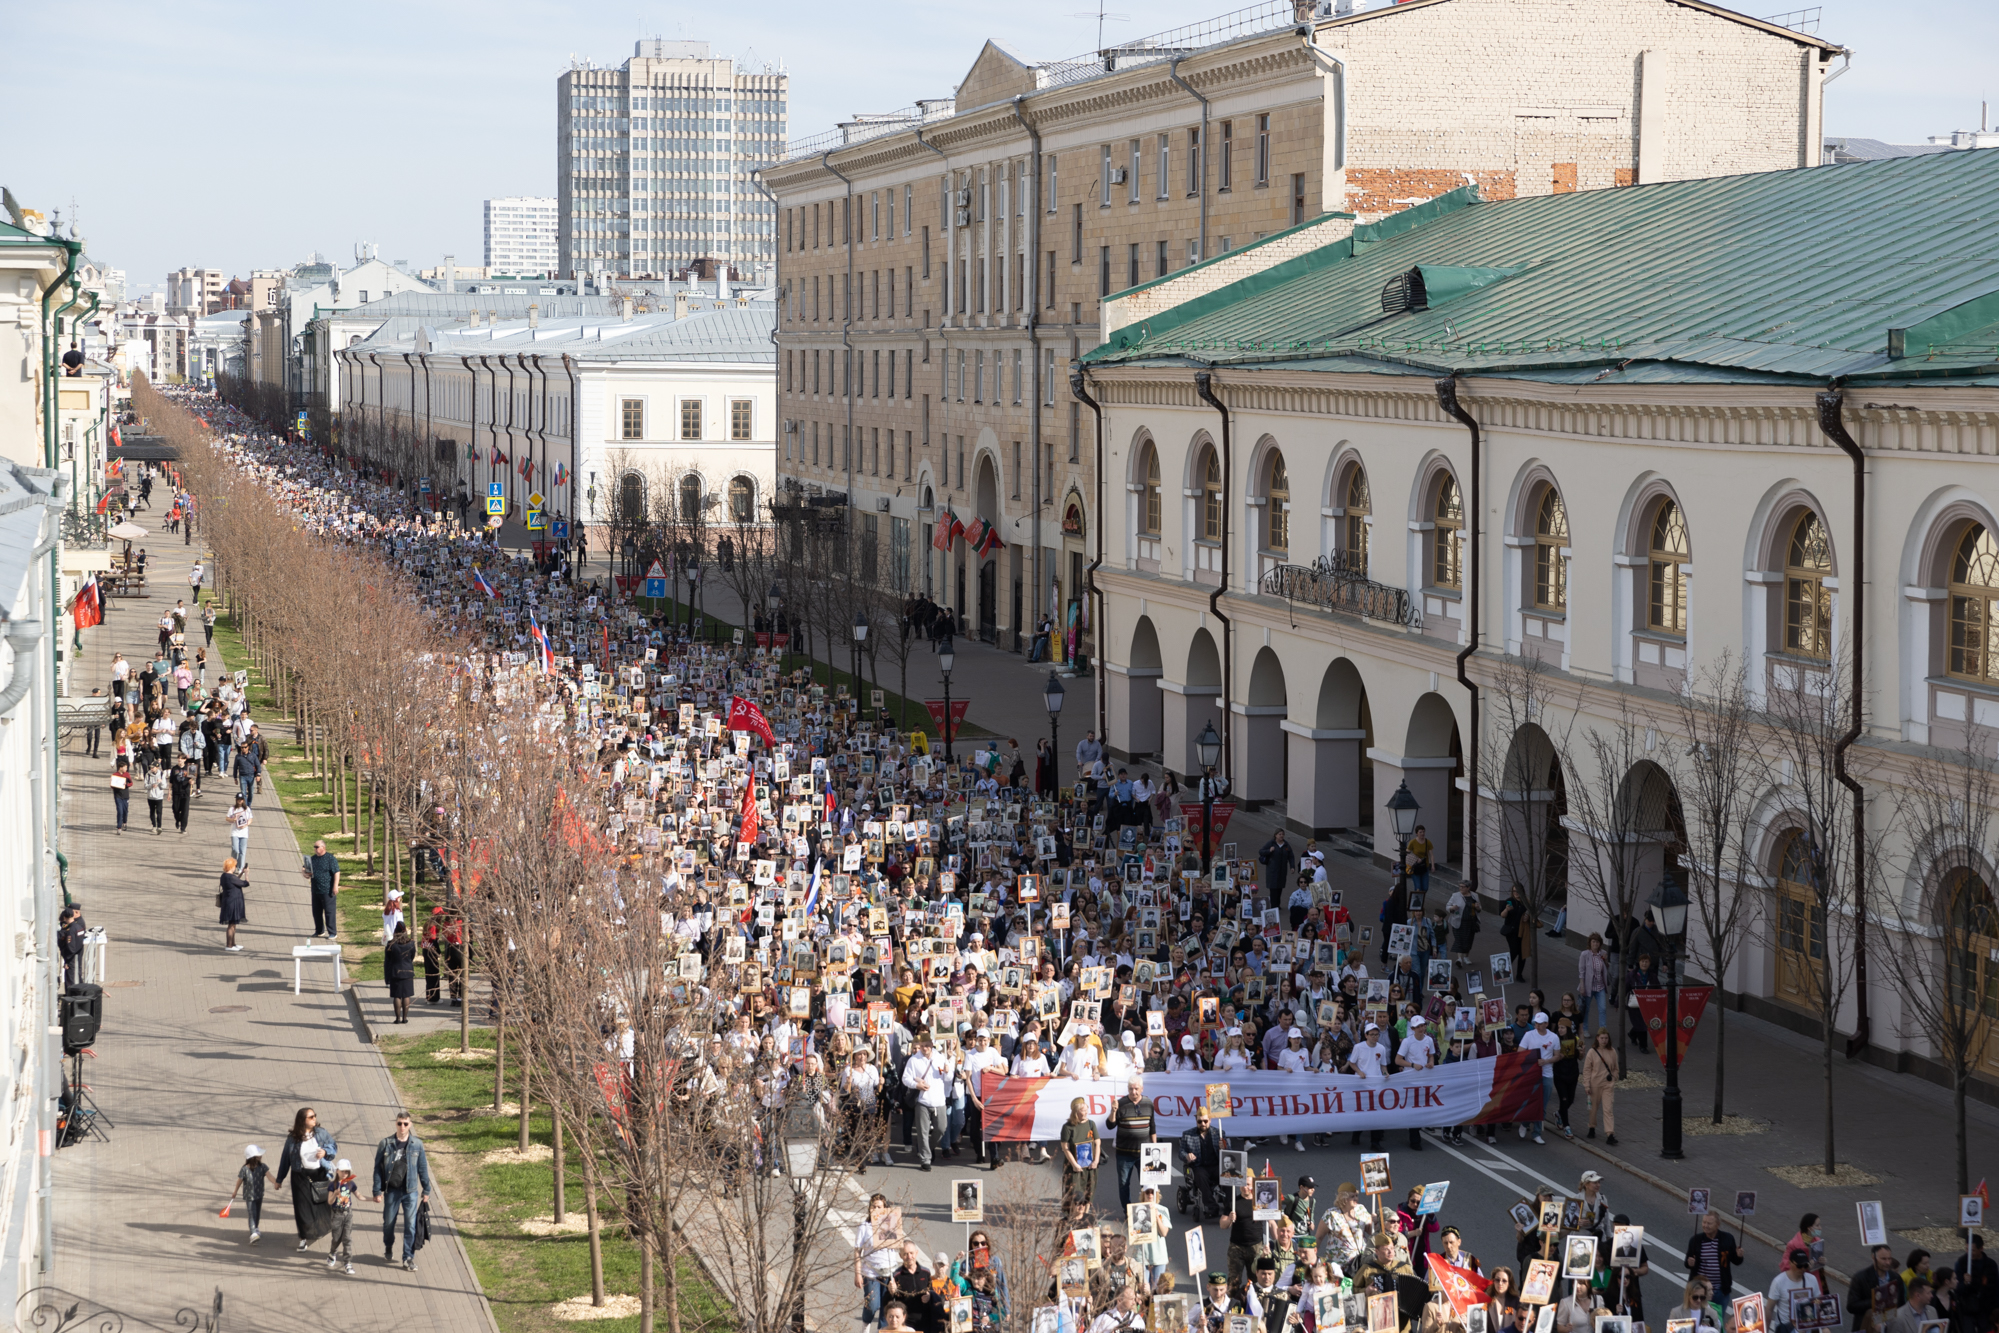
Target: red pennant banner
{"type": "Point", "coordinates": [1192, 811]}
{"type": "Point", "coordinates": [1692, 1003]}
{"type": "Point", "coordinates": [958, 707]}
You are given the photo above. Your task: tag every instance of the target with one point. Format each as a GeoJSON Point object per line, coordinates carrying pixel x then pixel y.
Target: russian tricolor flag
{"type": "Point", "coordinates": [542, 649]}
{"type": "Point", "coordinates": [479, 581]}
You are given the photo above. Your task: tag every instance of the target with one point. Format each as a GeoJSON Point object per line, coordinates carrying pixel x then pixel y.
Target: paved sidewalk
{"type": "Point", "coordinates": [204, 1051]}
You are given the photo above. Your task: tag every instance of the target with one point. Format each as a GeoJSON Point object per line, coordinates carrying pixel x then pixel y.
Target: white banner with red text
{"type": "Point", "coordinates": [1264, 1104]}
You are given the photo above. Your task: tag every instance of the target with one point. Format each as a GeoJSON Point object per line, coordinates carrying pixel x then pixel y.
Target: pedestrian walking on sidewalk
{"type": "Point", "coordinates": [245, 769]}
{"type": "Point", "coordinates": [250, 1178]}
{"type": "Point", "coordinates": [229, 903]}
{"type": "Point", "coordinates": [194, 577]}
{"type": "Point", "coordinates": [207, 623]}
{"type": "Point", "coordinates": [121, 791]}
{"type": "Point", "coordinates": [240, 816]}
{"type": "Point", "coordinates": [399, 970]}
{"type": "Point", "coordinates": [180, 784]}
{"type": "Point", "coordinates": [308, 1159]}
{"type": "Point", "coordinates": [340, 1196]}
{"type": "Point", "coordinates": [402, 1185]}
{"type": "Point", "coordinates": [156, 797]}
{"type": "Point", "coordinates": [1600, 1075]}
{"type": "Point", "coordinates": [432, 959]}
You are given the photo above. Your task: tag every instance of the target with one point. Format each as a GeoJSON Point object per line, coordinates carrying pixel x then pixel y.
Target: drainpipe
{"type": "Point", "coordinates": [1173, 71]}
{"type": "Point", "coordinates": [472, 428]}
{"type": "Point", "coordinates": [1447, 397]}
{"type": "Point", "coordinates": [1204, 385]}
{"type": "Point", "coordinates": [1339, 63]}
{"type": "Point", "coordinates": [71, 249]}
{"type": "Point", "coordinates": [1029, 289]}
{"type": "Point", "coordinates": [944, 339]}
{"type": "Point", "coordinates": [1835, 430]}
{"type": "Point", "coordinates": [1079, 385]}
{"type": "Point", "coordinates": [513, 475]}
{"type": "Point", "coordinates": [569, 369]}
{"type": "Point", "coordinates": [847, 331]}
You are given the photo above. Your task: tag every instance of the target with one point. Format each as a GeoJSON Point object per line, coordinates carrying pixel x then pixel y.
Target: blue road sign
{"type": "Point", "coordinates": [496, 488]}
{"type": "Point", "coordinates": [655, 587]}
{"type": "Point", "coordinates": [562, 529]}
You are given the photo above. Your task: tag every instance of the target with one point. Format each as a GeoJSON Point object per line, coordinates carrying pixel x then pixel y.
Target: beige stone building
{"type": "Point", "coordinates": [940, 268]}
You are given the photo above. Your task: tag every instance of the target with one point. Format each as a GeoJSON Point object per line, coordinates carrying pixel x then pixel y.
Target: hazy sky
{"type": "Point", "coordinates": [242, 135]}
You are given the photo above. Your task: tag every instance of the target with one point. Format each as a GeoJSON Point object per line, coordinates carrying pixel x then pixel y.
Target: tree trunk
{"type": "Point", "coordinates": [340, 790]}
{"type": "Point", "coordinates": [465, 986]}
{"type": "Point", "coordinates": [596, 1227]}
{"type": "Point", "coordinates": [555, 1121]}
{"type": "Point", "coordinates": [368, 806]}
{"type": "Point", "coordinates": [499, 1055]}
{"type": "Point", "coordinates": [645, 1285]}
{"type": "Point", "coordinates": [1963, 1147]}
{"type": "Point", "coordinates": [525, 1061]}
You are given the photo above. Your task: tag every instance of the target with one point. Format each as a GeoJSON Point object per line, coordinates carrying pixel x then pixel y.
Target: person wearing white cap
{"type": "Point", "coordinates": [340, 1198]}
{"type": "Point", "coordinates": [1121, 1059]}
{"type": "Point", "coordinates": [980, 1060]}
{"type": "Point", "coordinates": [1294, 1059]}
{"type": "Point", "coordinates": [1546, 1046]}
{"type": "Point", "coordinates": [250, 1180]}
{"type": "Point", "coordinates": [1232, 1056]}
{"type": "Point", "coordinates": [1187, 1060]}
{"type": "Point", "coordinates": [1417, 1051]}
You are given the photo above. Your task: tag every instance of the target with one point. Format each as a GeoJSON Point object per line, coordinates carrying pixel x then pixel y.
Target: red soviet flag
{"type": "Point", "coordinates": [88, 609]}
{"type": "Point", "coordinates": [744, 715]}
{"type": "Point", "coordinates": [1461, 1287]}
{"type": "Point", "coordinates": [749, 833]}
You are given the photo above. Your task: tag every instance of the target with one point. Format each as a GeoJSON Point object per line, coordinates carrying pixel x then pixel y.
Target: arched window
{"type": "Point", "coordinates": [631, 498]}
{"type": "Point", "coordinates": [1807, 604]}
{"type": "Point", "coordinates": [690, 497]}
{"type": "Point", "coordinates": [1447, 540]}
{"type": "Point", "coordinates": [1800, 922]}
{"type": "Point", "coordinates": [742, 500]}
{"type": "Point", "coordinates": [1973, 923]}
{"type": "Point", "coordinates": [1358, 504]}
{"type": "Point", "coordinates": [1551, 567]}
{"type": "Point", "coordinates": [1148, 509]}
{"type": "Point", "coordinates": [1277, 493]}
{"type": "Point", "coordinates": [1666, 591]}
{"type": "Point", "coordinates": [1211, 497]}
{"type": "Point", "coordinates": [1974, 599]}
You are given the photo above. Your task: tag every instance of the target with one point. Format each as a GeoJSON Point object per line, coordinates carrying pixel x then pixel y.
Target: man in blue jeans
{"type": "Point", "coordinates": [402, 1183]}
{"type": "Point", "coordinates": [1132, 1120]}
{"type": "Point", "coordinates": [245, 769]}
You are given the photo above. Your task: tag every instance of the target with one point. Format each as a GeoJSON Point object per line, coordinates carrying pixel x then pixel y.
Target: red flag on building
{"type": "Point", "coordinates": [744, 715]}
{"type": "Point", "coordinates": [89, 608]}
{"type": "Point", "coordinates": [989, 543]}
{"type": "Point", "coordinates": [940, 537]}
{"type": "Point", "coordinates": [976, 533]}
{"type": "Point", "coordinates": [1652, 1008]}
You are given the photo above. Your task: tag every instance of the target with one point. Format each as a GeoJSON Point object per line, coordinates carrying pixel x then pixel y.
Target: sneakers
{"type": "Point", "coordinates": [409, 1265]}
{"type": "Point", "coordinates": [256, 1236]}
{"type": "Point", "coordinates": [302, 1245]}
{"type": "Point", "coordinates": [1300, 1145]}
{"type": "Point", "coordinates": [1539, 1139]}
{"type": "Point", "coordinates": [350, 1270]}
{"type": "Point", "coordinates": [1523, 1130]}
{"type": "Point", "coordinates": [1610, 1140]}
{"type": "Point", "coordinates": [1592, 1132]}
{"type": "Point", "coordinates": [332, 1261]}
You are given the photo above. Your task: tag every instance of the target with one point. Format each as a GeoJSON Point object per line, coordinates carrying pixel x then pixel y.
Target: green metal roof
{"type": "Point", "coordinates": [1790, 274]}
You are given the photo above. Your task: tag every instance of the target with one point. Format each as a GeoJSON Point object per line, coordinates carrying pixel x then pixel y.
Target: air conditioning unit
{"type": "Point", "coordinates": [964, 217]}
{"type": "Point", "coordinates": [881, 503]}
{"type": "Point", "coordinates": [1117, 175]}
{"type": "Point", "coordinates": [964, 198]}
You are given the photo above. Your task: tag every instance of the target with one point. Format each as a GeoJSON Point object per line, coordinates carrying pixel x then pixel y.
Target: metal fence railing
{"type": "Point", "coordinates": [1339, 586]}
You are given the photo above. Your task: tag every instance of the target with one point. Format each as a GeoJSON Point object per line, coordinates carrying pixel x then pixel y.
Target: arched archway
{"type": "Point", "coordinates": [1258, 736]}
{"type": "Point", "coordinates": [1527, 815]}
{"type": "Point", "coordinates": [986, 493]}
{"type": "Point", "coordinates": [1431, 762]}
{"type": "Point", "coordinates": [1188, 704]}
{"type": "Point", "coordinates": [1135, 718]}
{"type": "Point", "coordinates": [1332, 778]}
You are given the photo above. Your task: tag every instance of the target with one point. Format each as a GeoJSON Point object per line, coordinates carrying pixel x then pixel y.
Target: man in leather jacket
{"type": "Point", "coordinates": [1200, 1150]}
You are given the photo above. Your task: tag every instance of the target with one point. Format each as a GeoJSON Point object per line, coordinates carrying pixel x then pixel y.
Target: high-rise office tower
{"type": "Point", "coordinates": [653, 162]}
{"type": "Point", "coordinates": [520, 237]}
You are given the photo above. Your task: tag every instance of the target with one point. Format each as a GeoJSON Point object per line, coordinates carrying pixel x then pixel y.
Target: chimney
{"type": "Point", "coordinates": [534, 316]}
{"type": "Point", "coordinates": [474, 321]}
{"type": "Point", "coordinates": [680, 303]}
{"type": "Point", "coordinates": [627, 303]}
{"type": "Point", "coordinates": [450, 274]}
{"type": "Point", "coordinates": [1301, 10]}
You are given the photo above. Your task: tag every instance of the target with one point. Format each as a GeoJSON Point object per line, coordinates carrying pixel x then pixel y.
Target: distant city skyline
{"type": "Point", "coordinates": [427, 116]}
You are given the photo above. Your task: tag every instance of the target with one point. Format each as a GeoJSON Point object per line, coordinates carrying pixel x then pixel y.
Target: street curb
{"type": "Point", "coordinates": [360, 1013]}
{"type": "Point", "coordinates": [1680, 1193]}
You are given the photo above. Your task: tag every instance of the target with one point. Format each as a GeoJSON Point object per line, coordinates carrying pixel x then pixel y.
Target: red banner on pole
{"type": "Point", "coordinates": [1191, 810]}
{"type": "Point", "coordinates": [1692, 1003]}
{"type": "Point", "coordinates": [958, 707]}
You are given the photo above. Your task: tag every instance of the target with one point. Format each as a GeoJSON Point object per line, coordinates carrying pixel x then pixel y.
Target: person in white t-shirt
{"type": "Point", "coordinates": [1546, 1046]}
{"type": "Point", "coordinates": [981, 1059]}
{"type": "Point", "coordinates": [1187, 1060]}
{"type": "Point", "coordinates": [1417, 1051]}
{"type": "Point", "coordinates": [1294, 1059]}
{"type": "Point", "coordinates": [1232, 1056]}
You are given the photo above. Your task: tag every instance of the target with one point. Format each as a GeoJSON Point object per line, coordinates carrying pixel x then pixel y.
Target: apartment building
{"type": "Point", "coordinates": [941, 267]}
{"type": "Point", "coordinates": [654, 159]}
{"type": "Point", "coordinates": [520, 237]}
{"type": "Point", "coordinates": [195, 291]}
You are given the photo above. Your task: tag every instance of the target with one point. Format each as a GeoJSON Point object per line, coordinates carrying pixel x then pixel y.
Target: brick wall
{"type": "Point", "coordinates": [1145, 302]}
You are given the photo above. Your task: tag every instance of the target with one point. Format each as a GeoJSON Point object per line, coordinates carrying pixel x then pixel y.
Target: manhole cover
{"type": "Point", "coordinates": [230, 1009]}
{"type": "Point", "coordinates": [115, 985]}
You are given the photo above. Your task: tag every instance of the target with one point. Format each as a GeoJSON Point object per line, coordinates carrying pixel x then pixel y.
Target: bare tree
{"type": "Point", "coordinates": [1807, 711]}
{"type": "Point", "coordinates": [1713, 772]}
{"type": "Point", "coordinates": [1945, 816]}
{"type": "Point", "coordinates": [1520, 765]}
{"type": "Point", "coordinates": [1620, 806]}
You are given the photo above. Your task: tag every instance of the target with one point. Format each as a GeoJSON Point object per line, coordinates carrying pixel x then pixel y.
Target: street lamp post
{"type": "Point", "coordinates": [947, 657]}
{"type": "Point", "coordinates": [1208, 745]}
{"type": "Point", "coordinates": [1667, 912]}
{"type": "Point", "coordinates": [860, 645]}
{"type": "Point", "coordinates": [1402, 811]}
{"type": "Point", "coordinates": [801, 1161]}
{"type": "Point", "coordinates": [1052, 696]}
{"type": "Point", "coordinates": [775, 599]}
{"type": "Point", "coordinates": [693, 583]}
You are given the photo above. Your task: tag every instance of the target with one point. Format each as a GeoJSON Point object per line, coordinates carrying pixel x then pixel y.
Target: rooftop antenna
{"type": "Point", "coordinates": [1102, 18]}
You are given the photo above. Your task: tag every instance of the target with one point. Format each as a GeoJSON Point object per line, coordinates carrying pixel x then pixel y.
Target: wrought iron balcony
{"type": "Point", "coordinates": [1342, 586]}
{"type": "Point", "coordinates": [85, 529]}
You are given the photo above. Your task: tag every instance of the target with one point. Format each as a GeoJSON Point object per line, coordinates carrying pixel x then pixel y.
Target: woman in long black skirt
{"type": "Point", "coordinates": [308, 1160]}
{"type": "Point", "coordinates": [399, 970]}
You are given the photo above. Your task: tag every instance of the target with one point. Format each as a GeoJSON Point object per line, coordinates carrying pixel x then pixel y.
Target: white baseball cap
{"type": "Point", "coordinates": [343, 1165]}
{"type": "Point", "coordinates": [1294, 1034]}
{"type": "Point", "coordinates": [1540, 1018]}
{"type": "Point", "coordinates": [1129, 1039]}
{"type": "Point", "coordinates": [1187, 1043]}
{"type": "Point", "coordinates": [1373, 1027]}
{"type": "Point", "coordinates": [252, 1151]}
{"type": "Point", "coordinates": [1418, 1021]}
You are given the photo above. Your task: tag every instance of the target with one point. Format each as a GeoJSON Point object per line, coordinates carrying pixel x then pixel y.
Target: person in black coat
{"type": "Point", "coordinates": [229, 899]}
{"type": "Point", "coordinates": [180, 786]}
{"type": "Point", "coordinates": [399, 970]}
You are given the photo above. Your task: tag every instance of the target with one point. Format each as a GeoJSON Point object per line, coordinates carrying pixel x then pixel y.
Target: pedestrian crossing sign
{"type": "Point", "coordinates": [537, 520]}
{"type": "Point", "coordinates": [496, 505]}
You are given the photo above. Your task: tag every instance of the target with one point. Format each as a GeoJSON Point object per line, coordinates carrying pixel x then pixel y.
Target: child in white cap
{"type": "Point", "coordinates": [340, 1198]}
{"type": "Point", "coordinates": [250, 1179]}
